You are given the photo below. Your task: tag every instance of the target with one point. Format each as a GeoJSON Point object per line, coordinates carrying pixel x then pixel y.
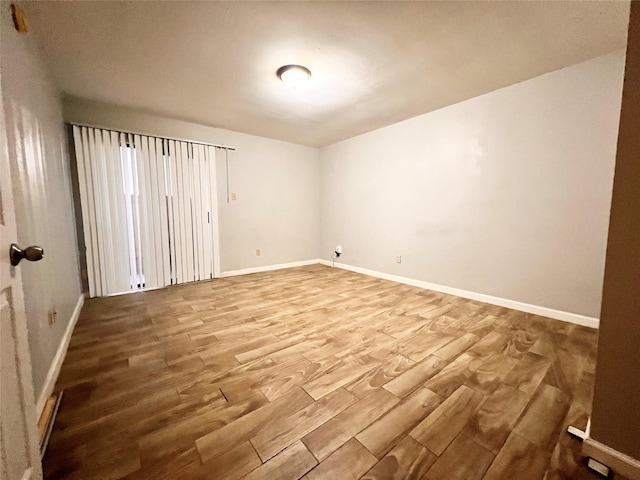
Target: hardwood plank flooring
{"type": "Point", "coordinates": [491, 425]}
{"type": "Point", "coordinates": [269, 441]}
{"type": "Point", "coordinates": [349, 462]}
{"type": "Point", "coordinates": [316, 372]}
{"type": "Point", "coordinates": [462, 460]}
{"type": "Point", "coordinates": [415, 376]}
{"type": "Point", "coordinates": [344, 426]}
{"type": "Point", "coordinates": [292, 463]}
{"type": "Point", "coordinates": [384, 433]}
{"type": "Point", "coordinates": [407, 461]}
{"type": "Point", "coordinates": [444, 424]}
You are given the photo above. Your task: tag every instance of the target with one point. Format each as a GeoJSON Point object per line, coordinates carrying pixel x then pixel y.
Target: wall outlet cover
{"type": "Point", "coordinates": [52, 316]}
{"type": "Point", "coordinates": [599, 468]}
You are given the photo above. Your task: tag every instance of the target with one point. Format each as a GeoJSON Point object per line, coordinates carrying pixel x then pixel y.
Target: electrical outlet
{"type": "Point", "coordinates": [234, 196]}
{"type": "Point", "coordinates": [399, 259]}
{"type": "Point", "coordinates": [257, 252]}
{"type": "Point", "coordinates": [599, 468]}
{"type": "Point", "coordinates": [52, 316]}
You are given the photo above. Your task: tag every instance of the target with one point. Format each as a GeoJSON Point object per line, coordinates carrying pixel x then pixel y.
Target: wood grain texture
{"type": "Point", "coordinates": [344, 426]}
{"type": "Point", "coordinates": [541, 422]}
{"type": "Point", "coordinates": [420, 346]}
{"type": "Point", "coordinates": [456, 347]}
{"type": "Point", "coordinates": [407, 461]}
{"type": "Point", "coordinates": [413, 378]}
{"type": "Point", "coordinates": [517, 456]}
{"type": "Point", "coordinates": [383, 434]}
{"type": "Point", "coordinates": [232, 465]}
{"type": "Point", "coordinates": [462, 460]}
{"type": "Point", "coordinates": [527, 374]}
{"type": "Point", "coordinates": [249, 425]}
{"type": "Point", "coordinates": [277, 436]}
{"type": "Point", "coordinates": [349, 462]}
{"type": "Point", "coordinates": [376, 378]}
{"type": "Point", "coordinates": [490, 373]}
{"type": "Point", "coordinates": [289, 464]}
{"type": "Point", "coordinates": [194, 381]}
{"type": "Point", "coordinates": [453, 375]}
{"type": "Point", "coordinates": [491, 425]}
{"type": "Point", "coordinates": [442, 426]}
{"type": "Point", "coordinates": [489, 344]}
{"type": "Point", "coordinates": [342, 375]}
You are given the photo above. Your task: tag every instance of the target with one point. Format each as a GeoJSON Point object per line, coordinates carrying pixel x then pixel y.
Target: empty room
{"type": "Point", "coordinates": [307, 240]}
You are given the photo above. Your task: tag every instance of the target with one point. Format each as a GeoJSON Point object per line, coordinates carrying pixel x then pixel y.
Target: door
{"type": "Point", "coordinates": [20, 457]}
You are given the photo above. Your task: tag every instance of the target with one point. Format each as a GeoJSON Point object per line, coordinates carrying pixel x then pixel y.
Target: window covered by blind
{"type": "Point", "coordinates": [149, 210]}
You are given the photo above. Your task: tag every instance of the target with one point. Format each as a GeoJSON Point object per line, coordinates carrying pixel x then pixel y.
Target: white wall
{"type": "Point", "coordinates": [42, 194]}
{"type": "Point", "coordinates": [506, 194]}
{"type": "Point", "coordinates": [276, 183]}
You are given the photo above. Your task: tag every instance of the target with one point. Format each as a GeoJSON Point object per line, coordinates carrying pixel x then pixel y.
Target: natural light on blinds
{"type": "Point", "coordinates": [148, 210]}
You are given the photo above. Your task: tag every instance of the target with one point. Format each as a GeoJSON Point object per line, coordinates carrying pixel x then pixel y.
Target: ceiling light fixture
{"type": "Point", "coordinates": [294, 76]}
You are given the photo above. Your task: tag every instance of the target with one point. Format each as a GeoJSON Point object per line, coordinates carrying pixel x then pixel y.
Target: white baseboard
{"type": "Point", "coordinates": [480, 297]}
{"type": "Point", "coordinates": [268, 268]}
{"type": "Point", "coordinates": [56, 364]}
{"type": "Point", "coordinates": [617, 461]}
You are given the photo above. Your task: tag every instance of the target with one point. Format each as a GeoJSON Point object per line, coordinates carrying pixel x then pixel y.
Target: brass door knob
{"type": "Point", "coordinates": [33, 254]}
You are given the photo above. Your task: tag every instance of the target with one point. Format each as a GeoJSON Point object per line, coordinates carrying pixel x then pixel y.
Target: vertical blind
{"type": "Point", "coordinates": [149, 210]}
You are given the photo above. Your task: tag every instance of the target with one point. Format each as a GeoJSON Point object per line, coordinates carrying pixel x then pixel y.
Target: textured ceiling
{"type": "Point", "coordinates": [373, 63]}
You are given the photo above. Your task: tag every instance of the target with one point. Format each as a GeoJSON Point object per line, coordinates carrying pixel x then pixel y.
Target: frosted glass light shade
{"type": "Point", "coordinates": [294, 76]}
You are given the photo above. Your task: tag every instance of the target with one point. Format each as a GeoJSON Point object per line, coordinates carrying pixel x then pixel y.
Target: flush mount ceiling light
{"type": "Point", "coordinates": [294, 76]}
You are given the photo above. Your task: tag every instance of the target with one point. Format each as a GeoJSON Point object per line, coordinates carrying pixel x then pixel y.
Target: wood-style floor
{"type": "Point", "coordinates": [316, 372]}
